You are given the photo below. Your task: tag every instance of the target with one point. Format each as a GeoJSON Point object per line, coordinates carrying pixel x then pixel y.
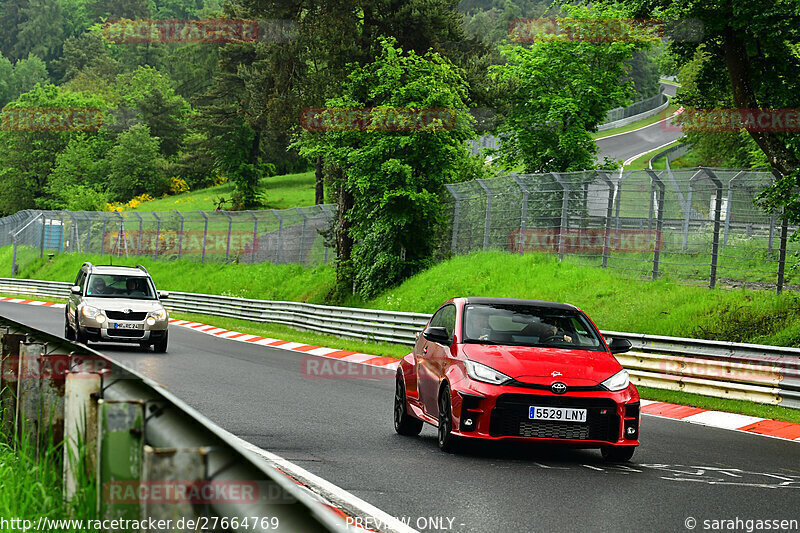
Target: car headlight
{"type": "Point", "coordinates": [161, 314]}
{"type": "Point", "coordinates": [91, 312]}
{"type": "Point", "coordinates": [618, 381]}
{"type": "Point", "coordinates": [484, 373]}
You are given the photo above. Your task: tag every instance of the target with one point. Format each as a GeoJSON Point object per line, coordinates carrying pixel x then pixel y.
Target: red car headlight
{"type": "Point", "coordinates": [484, 373]}
{"type": "Point", "coordinates": [618, 381]}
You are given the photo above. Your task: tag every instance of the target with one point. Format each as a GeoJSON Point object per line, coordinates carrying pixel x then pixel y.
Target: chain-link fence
{"type": "Point", "coordinates": [279, 236]}
{"type": "Point", "coordinates": [698, 225]}
{"type": "Point", "coordinates": [636, 108]}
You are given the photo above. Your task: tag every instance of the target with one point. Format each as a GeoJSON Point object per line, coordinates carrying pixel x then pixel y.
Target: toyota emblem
{"type": "Point", "coordinates": [558, 387]}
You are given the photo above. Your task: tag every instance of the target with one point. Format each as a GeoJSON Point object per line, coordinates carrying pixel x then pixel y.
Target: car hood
{"type": "Point", "coordinates": [120, 304]}
{"type": "Point", "coordinates": [537, 365]}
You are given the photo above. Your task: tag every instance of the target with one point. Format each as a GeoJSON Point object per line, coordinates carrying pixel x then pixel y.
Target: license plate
{"type": "Point", "coordinates": [127, 325]}
{"type": "Point", "coordinates": [562, 414]}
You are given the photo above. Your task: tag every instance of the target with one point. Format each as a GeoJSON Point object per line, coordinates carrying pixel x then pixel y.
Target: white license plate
{"type": "Point", "coordinates": [127, 325]}
{"type": "Point", "coordinates": [561, 414]}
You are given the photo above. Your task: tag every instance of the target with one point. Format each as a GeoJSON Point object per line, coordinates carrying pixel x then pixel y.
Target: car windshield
{"type": "Point", "coordinates": [115, 286]}
{"type": "Point", "coordinates": [527, 325]}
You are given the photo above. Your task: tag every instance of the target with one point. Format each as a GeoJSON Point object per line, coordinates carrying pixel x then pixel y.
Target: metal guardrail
{"type": "Point", "coordinates": [136, 438]}
{"type": "Point", "coordinates": [752, 372]}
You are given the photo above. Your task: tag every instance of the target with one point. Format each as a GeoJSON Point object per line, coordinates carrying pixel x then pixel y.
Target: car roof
{"type": "Point", "coordinates": [118, 270]}
{"type": "Point", "coordinates": [518, 301]}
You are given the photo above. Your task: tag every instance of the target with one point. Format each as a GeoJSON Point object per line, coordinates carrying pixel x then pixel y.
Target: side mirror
{"type": "Point", "coordinates": [163, 294]}
{"type": "Point", "coordinates": [76, 289]}
{"type": "Point", "coordinates": [619, 345]}
{"type": "Point", "coordinates": [437, 334]}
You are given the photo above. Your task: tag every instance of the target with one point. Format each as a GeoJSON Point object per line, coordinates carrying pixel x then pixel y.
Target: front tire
{"type": "Point", "coordinates": [69, 334]}
{"type": "Point", "coordinates": [447, 441]}
{"type": "Point", "coordinates": [404, 423]}
{"type": "Point", "coordinates": [617, 454]}
{"type": "Point", "coordinates": [160, 346]}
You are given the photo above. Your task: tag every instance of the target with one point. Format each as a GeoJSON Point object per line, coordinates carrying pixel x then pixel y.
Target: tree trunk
{"type": "Point", "coordinates": [744, 97]}
{"type": "Point", "coordinates": [344, 244]}
{"type": "Point", "coordinates": [319, 194]}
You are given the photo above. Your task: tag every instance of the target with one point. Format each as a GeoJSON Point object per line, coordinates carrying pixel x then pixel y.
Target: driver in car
{"type": "Point", "coordinates": [132, 287]}
{"type": "Point", "coordinates": [98, 286]}
{"type": "Point", "coordinates": [545, 330]}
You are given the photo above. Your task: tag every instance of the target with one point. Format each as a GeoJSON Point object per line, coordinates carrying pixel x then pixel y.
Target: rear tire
{"type": "Point", "coordinates": [617, 454]}
{"type": "Point", "coordinates": [447, 441]}
{"type": "Point", "coordinates": [160, 346]}
{"type": "Point", "coordinates": [404, 423]}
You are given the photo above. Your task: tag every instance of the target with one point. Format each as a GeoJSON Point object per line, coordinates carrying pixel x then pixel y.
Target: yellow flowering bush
{"type": "Point", "coordinates": [178, 185]}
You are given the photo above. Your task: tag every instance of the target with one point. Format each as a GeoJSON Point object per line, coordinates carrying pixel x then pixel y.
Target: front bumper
{"type": "Point", "coordinates": [498, 412]}
{"type": "Point", "coordinates": [106, 332]}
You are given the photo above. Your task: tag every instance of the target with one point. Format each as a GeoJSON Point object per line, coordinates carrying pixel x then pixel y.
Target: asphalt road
{"type": "Point", "coordinates": [341, 429]}
{"type": "Point", "coordinates": [626, 145]}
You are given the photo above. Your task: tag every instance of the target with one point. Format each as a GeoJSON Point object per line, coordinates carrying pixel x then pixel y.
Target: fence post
{"type": "Point", "coordinates": [524, 215]}
{"type": "Point", "coordinates": [301, 255]}
{"type": "Point", "coordinates": [729, 207]}
{"type": "Point", "coordinates": [158, 232]}
{"type": "Point", "coordinates": [688, 213]}
{"type": "Point", "coordinates": [41, 242]}
{"type": "Point", "coordinates": [717, 214]}
{"type": "Point", "coordinates": [205, 234]}
{"type": "Point", "coordinates": [103, 235]}
{"type": "Point", "coordinates": [180, 234]}
{"type": "Point", "coordinates": [139, 237]}
{"type": "Point", "coordinates": [456, 217]}
{"type": "Point", "coordinates": [564, 221]}
{"type": "Point", "coordinates": [782, 251]}
{"type": "Point", "coordinates": [14, 256]}
{"type": "Point", "coordinates": [255, 238]}
{"type": "Point", "coordinates": [88, 230]}
{"type": "Point", "coordinates": [609, 213]}
{"type": "Point", "coordinates": [280, 230]}
{"type": "Point", "coordinates": [771, 232]}
{"type": "Point", "coordinates": [488, 222]}
{"type": "Point", "coordinates": [655, 179]}
{"type": "Point", "coordinates": [619, 194]}
{"type": "Point", "coordinates": [228, 241]}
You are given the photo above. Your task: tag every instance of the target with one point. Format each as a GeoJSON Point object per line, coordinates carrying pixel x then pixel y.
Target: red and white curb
{"type": "Point", "coordinates": [309, 349]}
{"type": "Point", "coordinates": [719, 419]}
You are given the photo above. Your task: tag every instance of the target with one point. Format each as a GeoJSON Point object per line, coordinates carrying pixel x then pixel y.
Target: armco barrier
{"type": "Point", "coordinates": [136, 435]}
{"type": "Point", "coordinates": [752, 372]}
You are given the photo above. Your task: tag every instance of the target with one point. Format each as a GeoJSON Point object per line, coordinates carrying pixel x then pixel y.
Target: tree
{"type": "Point", "coordinates": [86, 52]}
{"type": "Point", "coordinates": [80, 175]}
{"type": "Point", "coordinates": [389, 182]}
{"type": "Point", "coordinates": [135, 165]}
{"type": "Point", "coordinates": [557, 92]}
{"type": "Point", "coordinates": [28, 73]}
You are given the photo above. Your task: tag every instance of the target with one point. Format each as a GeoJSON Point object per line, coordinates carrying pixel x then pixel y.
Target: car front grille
{"type": "Point", "coordinates": [510, 418]}
{"type": "Point", "coordinates": [119, 315]}
{"type": "Point", "coordinates": [129, 333]}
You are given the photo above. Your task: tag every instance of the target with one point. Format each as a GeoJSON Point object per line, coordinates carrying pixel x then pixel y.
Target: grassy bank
{"type": "Point", "coordinates": [614, 302]}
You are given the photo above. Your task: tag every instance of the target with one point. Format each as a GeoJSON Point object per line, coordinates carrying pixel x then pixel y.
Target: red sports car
{"type": "Point", "coordinates": [525, 370]}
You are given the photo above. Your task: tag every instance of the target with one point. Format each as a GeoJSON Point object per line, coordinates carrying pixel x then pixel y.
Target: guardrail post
{"type": "Point", "coordinates": [180, 234]}
{"type": "Point", "coordinates": [717, 214]}
{"type": "Point", "coordinates": [609, 213]}
{"type": "Point", "coordinates": [9, 375]}
{"type": "Point", "coordinates": [29, 396]}
{"type": "Point", "coordinates": [456, 217]}
{"type": "Point", "coordinates": [487, 225]}
{"type": "Point", "coordinates": [729, 207]}
{"type": "Point", "coordinates": [158, 232]}
{"type": "Point", "coordinates": [80, 428]}
{"type": "Point", "coordinates": [655, 179]}
{"type": "Point", "coordinates": [205, 234]}
{"type": "Point", "coordinates": [523, 215]}
{"type": "Point", "coordinates": [564, 221]}
{"type": "Point", "coordinates": [120, 444]}
{"type": "Point", "coordinates": [279, 239]}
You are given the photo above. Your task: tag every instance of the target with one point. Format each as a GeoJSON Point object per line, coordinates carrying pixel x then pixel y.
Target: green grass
{"type": "Point", "coordinates": [613, 300]}
{"type": "Point", "coordinates": [636, 125]}
{"type": "Point", "coordinates": [279, 192]}
{"type": "Point", "coordinates": [773, 412]}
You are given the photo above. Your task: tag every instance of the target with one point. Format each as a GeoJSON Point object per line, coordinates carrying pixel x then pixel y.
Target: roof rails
{"type": "Point", "coordinates": [143, 268]}
{"type": "Point", "coordinates": [87, 263]}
